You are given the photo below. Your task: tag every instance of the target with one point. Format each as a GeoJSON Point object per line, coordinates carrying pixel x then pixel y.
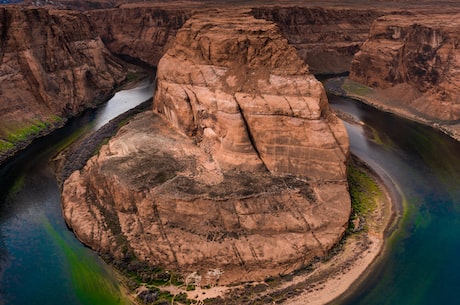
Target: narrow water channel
{"type": "Point", "coordinates": [41, 262]}
{"type": "Point", "coordinates": [422, 264]}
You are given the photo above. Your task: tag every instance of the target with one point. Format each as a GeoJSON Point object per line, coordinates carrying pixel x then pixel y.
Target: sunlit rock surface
{"type": "Point", "coordinates": [240, 175]}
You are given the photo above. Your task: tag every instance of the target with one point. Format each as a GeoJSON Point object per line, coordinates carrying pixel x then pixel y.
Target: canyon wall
{"type": "Point", "coordinates": [415, 60]}
{"type": "Point", "coordinates": [241, 173]}
{"type": "Point", "coordinates": [141, 33]}
{"type": "Point", "coordinates": [326, 38]}
{"type": "Point", "coordinates": [52, 66]}
{"type": "Point", "coordinates": [57, 63]}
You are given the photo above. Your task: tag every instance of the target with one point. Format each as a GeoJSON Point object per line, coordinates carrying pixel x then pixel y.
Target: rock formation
{"type": "Point", "coordinates": [248, 99]}
{"type": "Point", "coordinates": [52, 66]}
{"type": "Point", "coordinates": [326, 38]}
{"type": "Point", "coordinates": [241, 175]}
{"type": "Point", "coordinates": [65, 58]}
{"type": "Point", "coordinates": [141, 33]}
{"type": "Point", "coordinates": [415, 60]}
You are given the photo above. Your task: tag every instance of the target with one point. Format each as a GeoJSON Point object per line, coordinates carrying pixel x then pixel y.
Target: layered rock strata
{"type": "Point", "coordinates": [248, 99]}
{"type": "Point", "coordinates": [52, 65]}
{"type": "Point", "coordinates": [140, 32]}
{"type": "Point", "coordinates": [241, 175]}
{"type": "Point", "coordinates": [415, 60]}
{"type": "Point", "coordinates": [326, 38]}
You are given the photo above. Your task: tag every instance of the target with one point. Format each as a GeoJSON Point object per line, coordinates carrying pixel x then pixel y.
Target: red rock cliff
{"type": "Point", "coordinates": [140, 32]}
{"type": "Point", "coordinates": [52, 64]}
{"type": "Point", "coordinates": [241, 177]}
{"type": "Point", "coordinates": [325, 38]}
{"type": "Point", "coordinates": [414, 59]}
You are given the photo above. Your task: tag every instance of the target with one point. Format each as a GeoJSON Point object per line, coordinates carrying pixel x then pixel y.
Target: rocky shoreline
{"type": "Point", "coordinates": [75, 157]}
{"type": "Point", "coordinates": [345, 87]}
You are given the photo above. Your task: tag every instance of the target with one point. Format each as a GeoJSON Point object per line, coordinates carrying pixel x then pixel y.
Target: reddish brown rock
{"type": "Point", "coordinates": [247, 98]}
{"type": "Point", "coordinates": [241, 177]}
{"type": "Point", "coordinates": [325, 38]}
{"type": "Point", "coordinates": [51, 64]}
{"type": "Point", "coordinates": [415, 60]}
{"type": "Point", "coordinates": [141, 33]}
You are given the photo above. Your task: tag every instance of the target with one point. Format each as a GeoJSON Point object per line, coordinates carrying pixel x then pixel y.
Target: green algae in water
{"type": "Point", "coordinates": [93, 284]}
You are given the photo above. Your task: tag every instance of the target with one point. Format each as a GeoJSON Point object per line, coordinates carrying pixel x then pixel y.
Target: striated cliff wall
{"type": "Point", "coordinates": [248, 98]}
{"type": "Point", "coordinates": [52, 66]}
{"type": "Point", "coordinates": [415, 60]}
{"type": "Point", "coordinates": [326, 38]}
{"type": "Point", "coordinates": [241, 175]}
{"type": "Point", "coordinates": [138, 32]}
{"type": "Point", "coordinates": [62, 61]}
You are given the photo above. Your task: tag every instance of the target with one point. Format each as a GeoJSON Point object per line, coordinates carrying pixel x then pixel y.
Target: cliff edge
{"type": "Point", "coordinates": [414, 61]}
{"type": "Point", "coordinates": [52, 66]}
{"type": "Point", "coordinates": [238, 175]}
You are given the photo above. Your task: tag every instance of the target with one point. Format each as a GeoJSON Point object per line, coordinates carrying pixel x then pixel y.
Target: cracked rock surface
{"type": "Point", "coordinates": [238, 174]}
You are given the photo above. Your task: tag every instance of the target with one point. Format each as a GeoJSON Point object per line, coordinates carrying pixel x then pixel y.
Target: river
{"type": "Point", "coordinates": [421, 264]}
{"type": "Point", "coordinates": [41, 262]}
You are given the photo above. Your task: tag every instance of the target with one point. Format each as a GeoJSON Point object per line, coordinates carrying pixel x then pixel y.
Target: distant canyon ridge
{"type": "Point", "coordinates": [239, 171]}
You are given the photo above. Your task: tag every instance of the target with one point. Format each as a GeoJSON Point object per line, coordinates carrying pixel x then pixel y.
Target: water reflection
{"type": "Point", "coordinates": [422, 265]}
{"type": "Point", "coordinates": [41, 262]}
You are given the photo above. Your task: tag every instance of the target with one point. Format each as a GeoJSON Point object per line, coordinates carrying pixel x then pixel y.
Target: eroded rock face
{"type": "Point", "coordinates": [415, 59]}
{"type": "Point", "coordinates": [139, 32]}
{"type": "Point", "coordinates": [242, 92]}
{"type": "Point", "coordinates": [240, 177]}
{"type": "Point", "coordinates": [326, 38]}
{"type": "Point", "coordinates": [51, 64]}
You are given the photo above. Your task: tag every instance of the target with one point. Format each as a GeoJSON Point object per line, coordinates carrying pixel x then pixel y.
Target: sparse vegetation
{"type": "Point", "coordinates": [15, 137]}
{"type": "Point", "coordinates": [28, 132]}
{"type": "Point", "coordinates": [363, 192]}
{"type": "Point", "coordinates": [352, 87]}
{"type": "Point", "coordinates": [5, 145]}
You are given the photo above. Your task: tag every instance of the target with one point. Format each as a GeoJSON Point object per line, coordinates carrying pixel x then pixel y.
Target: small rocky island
{"type": "Point", "coordinates": [236, 175]}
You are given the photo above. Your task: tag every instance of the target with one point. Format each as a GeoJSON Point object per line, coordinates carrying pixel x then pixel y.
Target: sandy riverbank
{"type": "Point", "coordinates": [360, 252]}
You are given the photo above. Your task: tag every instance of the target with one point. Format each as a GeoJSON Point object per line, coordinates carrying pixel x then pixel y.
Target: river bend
{"type": "Point", "coordinates": [41, 262]}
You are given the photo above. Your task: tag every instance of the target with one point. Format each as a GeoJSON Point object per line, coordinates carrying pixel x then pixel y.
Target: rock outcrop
{"type": "Point", "coordinates": [249, 99]}
{"type": "Point", "coordinates": [416, 61]}
{"type": "Point", "coordinates": [241, 175]}
{"type": "Point", "coordinates": [52, 66]}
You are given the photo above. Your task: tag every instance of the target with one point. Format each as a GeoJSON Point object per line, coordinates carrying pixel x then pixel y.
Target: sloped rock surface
{"type": "Point", "coordinates": [154, 194]}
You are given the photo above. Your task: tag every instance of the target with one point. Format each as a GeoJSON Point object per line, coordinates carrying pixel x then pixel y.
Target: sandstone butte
{"type": "Point", "coordinates": [239, 172]}
{"type": "Point", "coordinates": [414, 63]}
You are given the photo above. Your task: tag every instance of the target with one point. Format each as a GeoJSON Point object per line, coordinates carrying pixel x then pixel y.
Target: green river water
{"type": "Point", "coordinates": [41, 262]}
